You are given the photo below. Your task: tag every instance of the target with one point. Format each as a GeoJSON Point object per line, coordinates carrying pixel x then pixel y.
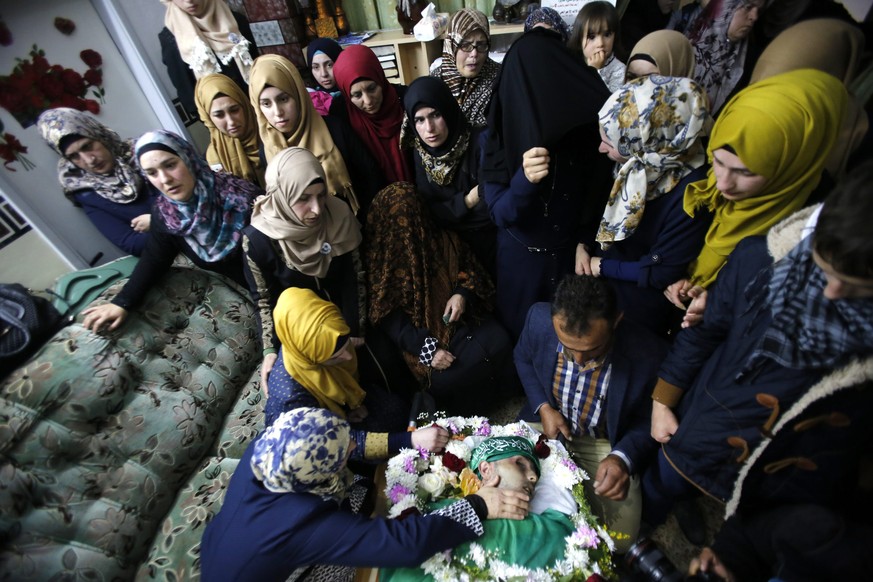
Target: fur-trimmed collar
{"type": "Point", "coordinates": [780, 240]}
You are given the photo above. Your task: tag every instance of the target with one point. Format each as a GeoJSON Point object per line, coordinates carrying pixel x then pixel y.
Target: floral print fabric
{"type": "Point", "coordinates": [657, 124]}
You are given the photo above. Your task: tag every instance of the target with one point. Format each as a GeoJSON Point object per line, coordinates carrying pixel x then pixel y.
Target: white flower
{"type": "Point", "coordinates": [460, 450]}
{"type": "Point", "coordinates": [433, 483]}
{"type": "Point", "coordinates": [402, 505]}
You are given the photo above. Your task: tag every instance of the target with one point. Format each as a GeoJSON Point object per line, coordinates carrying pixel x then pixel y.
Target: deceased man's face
{"type": "Point", "coordinates": [516, 473]}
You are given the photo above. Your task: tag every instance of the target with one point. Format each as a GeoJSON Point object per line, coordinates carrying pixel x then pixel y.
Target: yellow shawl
{"type": "Point", "coordinates": [239, 156]}
{"type": "Point", "coordinates": [310, 132]}
{"type": "Point", "coordinates": [781, 128]}
{"type": "Point", "coordinates": [309, 327]}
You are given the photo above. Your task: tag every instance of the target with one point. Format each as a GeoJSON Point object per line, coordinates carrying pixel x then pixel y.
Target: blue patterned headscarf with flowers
{"type": "Point", "coordinates": [498, 448]}
{"type": "Point", "coordinates": [549, 17]}
{"type": "Point", "coordinates": [304, 451]}
{"type": "Point", "coordinates": [211, 221]}
{"type": "Point", "coordinates": [658, 124]}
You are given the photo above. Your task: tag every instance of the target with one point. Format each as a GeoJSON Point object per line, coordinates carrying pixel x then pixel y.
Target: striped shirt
{"type": "Point", "coordinates": [581, 392]}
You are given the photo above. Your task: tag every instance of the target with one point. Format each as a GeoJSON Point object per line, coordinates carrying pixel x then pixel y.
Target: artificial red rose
{"type": "Point", "coordinates": [91, 58]}
{"type": "Point", "coordinates": [92, 106]}
{"type": "Point", "coordinates": [51, 86]}
{"type": "Point", "coordinates": [595, 578]}
{"type": "Point", "coordinates": [40, 64]}
{"type": "Point", "coordinates": [542, 450]}
{"type": "Point", "coordinates": [37, 101]}
{"type": "Point", "coordinates": [94, 77]}
{"type": "Point", "coordinates": [453, 463]}
{"type": "Point", "coordinates": [65, 25]}
{"type": "Point", "coordinates": [5, 35]}
{"type": "Point", "coordinates": [56, 69]}
{"type": "Point", "coordinates": [74, 82]}
{"type": "Point", "coordinates": [13, 143]}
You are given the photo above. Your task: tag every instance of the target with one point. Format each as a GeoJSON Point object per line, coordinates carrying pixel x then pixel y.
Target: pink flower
{"type": "Point", "coordinates": [397, 493]}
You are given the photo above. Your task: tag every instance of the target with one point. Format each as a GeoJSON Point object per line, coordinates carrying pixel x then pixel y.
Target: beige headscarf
{"type": "Point", "coordinates": [308, 249]}
{"type": "Point", "coordinates": [670, 50]}
{"type": "Point", "coordinates": [310, 131]}
{"type": "Point", "coordinates": [831, 46]}
{"type": "Point", "coordinates": [239, 156]}
{"type": "Point", "coordinates": [205, 41]}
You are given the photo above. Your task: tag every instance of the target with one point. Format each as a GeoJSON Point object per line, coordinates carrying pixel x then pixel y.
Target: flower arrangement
{"type": "Point", "coordinates": [35, 85]}
{"type": "Point", "coordinates": [12, 150]}
{"type": "Point", "coordinates": [415, 478]}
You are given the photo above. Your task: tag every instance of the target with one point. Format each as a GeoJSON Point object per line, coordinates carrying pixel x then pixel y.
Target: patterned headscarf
{"type": "Point", "coordinates": [669, 50]}
{"type": "Point", "coordinates": [304, 451]}
{"type": "Point", "coordinates": [473, 95]}
{"type": "Point", "coordinates": [122, 186]}
{"type": "Point", "coordinates": [657, 123]}
{"type": "Point", "coordinates": [498, 448]}
{"type": "Point", "coordinates": [550, 17]}
{"type": "Point", "coordinates": [239, 156]}
{"type": "Point", "coordinates": [440, 163]}
{"type": "Point", "coordinates": [414, 266]}
{"type": "Point", "coordinates": [211, 221]}
{"type": "Point", "coordinates": [205, 41]}
{"type": "Point", "coordinates": [781, 128]}
{"type": "Point", "coordinates": [719, 60]}
{"type": "Point", "coordinates": [308, 249]}
{"type": "Point", "coordinates": [380, 131]}
{"type": "Point", "coordinates": [308, 328]}
{"type": "Point", "coordinates": [310, 132]}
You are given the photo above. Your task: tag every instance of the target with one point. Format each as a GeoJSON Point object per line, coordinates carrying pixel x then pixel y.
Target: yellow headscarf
{"type": "Point", "coordinates": [309, 327]}
{"type": "Point", "coordinates": [239, 156]}
{"type": "Point", "coordinates": [781, 128]}
{"type": "Point", "coordinates": [310, 132]}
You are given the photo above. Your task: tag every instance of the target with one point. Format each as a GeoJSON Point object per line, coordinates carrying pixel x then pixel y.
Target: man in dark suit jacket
{"type": "Point", "coordinates": [588, 375]}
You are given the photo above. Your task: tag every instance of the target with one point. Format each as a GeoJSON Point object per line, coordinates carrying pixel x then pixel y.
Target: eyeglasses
{"type": "Point", "coordinates": [468, 46]}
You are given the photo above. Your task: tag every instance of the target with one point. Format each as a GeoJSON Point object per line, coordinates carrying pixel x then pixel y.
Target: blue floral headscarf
{"type": "Point", "coordinates": [211, 221]}
{"type": "Point", "coordinates": [304, 451]}
{"type": "Point", "coordinates": [550, 17]}
{"type": "Point", "coordinates": [658, 124]}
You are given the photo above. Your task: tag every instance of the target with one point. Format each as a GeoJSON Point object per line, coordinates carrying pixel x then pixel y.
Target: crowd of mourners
{"type": "Point", "coordinates": [667, 250]}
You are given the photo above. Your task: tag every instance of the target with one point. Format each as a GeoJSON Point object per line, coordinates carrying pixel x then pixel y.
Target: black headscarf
{"type": "Point", "coordinates": [543, 93]}
{"type": "Point", "coordinates": [441, 162]}
{"type": "Point", "coordinates": [328, 46]}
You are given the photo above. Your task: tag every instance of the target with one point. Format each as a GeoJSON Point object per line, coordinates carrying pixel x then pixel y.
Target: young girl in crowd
{"type": "Point", "coordinates": [374, 108]}
{"type": "Point", "coordinates": [597, 35]}
{"type": "Point", "coordinates": [301, 237]}
{"type": "Point", "coordinates": [321, 54]}
{"type": "Point", "coordinates": [233, 128]}
{"type": "Point", "coordinates": [198, 212]}
{"type": "Point", "coordinates": [287, 118]}
{"type": "Point", "coordinates": [97, 173]}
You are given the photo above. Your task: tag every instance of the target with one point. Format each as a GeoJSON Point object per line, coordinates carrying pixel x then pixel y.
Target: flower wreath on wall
{"type": "Point", "coordinates": [34, 86]}
{"type": "Point", "coordinates": [416, 478]}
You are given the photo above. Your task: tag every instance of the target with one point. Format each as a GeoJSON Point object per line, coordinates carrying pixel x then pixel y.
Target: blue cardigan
{"type": "Point", "coordinates": [259, 535]}
{"type": "Point", "coordinates": [113, 219]}
{"type": "Point", "coordinates": [635, 357]}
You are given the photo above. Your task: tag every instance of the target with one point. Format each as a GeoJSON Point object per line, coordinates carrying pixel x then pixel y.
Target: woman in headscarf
{"type": "Point", "coordinates": [431, 296]}
{"type": "Point", "coordinates": [97, 174]}
{"type": "Point", "coordinates": [720, 37]}
{"type": "Point", "coordinates": [548, 18]}
{"type": "Point", "coordinates": [664, 52]}
{"type": "Point", "coordinates": [202, 37]}
{"type": "Point", "coordinates": [321, 54]}
{"type": "Point", "coordinates": [199, 213]}
{"type": "Point", "coordinates": [291, 510]}
{"type": "Point", "coordinates": [543, 180]}
{"type": "Point", "coordinates": [233, 128]}
{"type": "Point", "coordinates": [767, 151]}
{"type": "Point", "coordinates": [446, 155]}
{"type": "Point", "coordinates": [466, 67]}
{"type": "Point", "coordinates": [301, 237]}
{"type": "Point", "coordinates": [828, 45]}
{"type": "Point", "coordinates": [287, 118]}
{"type": "Point", "coordinates": [653, 128]}
{"type": "Point", "coordinates": [374, 109]}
